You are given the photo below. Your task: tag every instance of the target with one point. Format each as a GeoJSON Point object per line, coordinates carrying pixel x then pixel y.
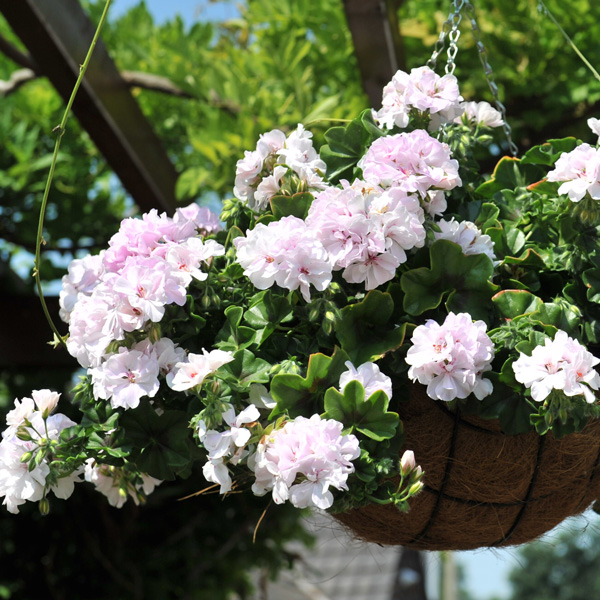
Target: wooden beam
{"type": "Point", "coordinates": [377, 43]}
{"type": "Point", "coordinates": [57, 34]}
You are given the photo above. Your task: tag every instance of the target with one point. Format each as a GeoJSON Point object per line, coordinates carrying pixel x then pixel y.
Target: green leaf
{"type": "Point", "coordinates": [464, 278]}
{"type": "Point", "coordinates": [591, 279]}
{"type": "Point", "coordinates": [232, 335]}
{"type": "Point", "coordinates": [297, 395]}
{"type": "Point", "coordinates": [160, 443]}
{"type": "Point", "coordinates": [510, 174]}
{"type": "Point", "coordinates": [512, 303]}
{"type": "Point", "coordinates": [554, 315]}
{"type": "Point", "coordinates": [346, 146]}
{"type": "Point", "coordinates": [365, 329]}
{"type": "Point", "coordinates": [549, 152]}
{"type": "Point", "coordinates": [367, 416]}
{"type": "Point", "coordinates": [488, 216]}
{"type": "Point", "coordinates": [244, 370]}
{"type": "Point", "coordinates": [296, 205]}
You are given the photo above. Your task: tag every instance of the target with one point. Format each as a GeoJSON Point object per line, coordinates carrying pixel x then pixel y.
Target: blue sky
{"type": "Point", "coordinates": [189, 10]}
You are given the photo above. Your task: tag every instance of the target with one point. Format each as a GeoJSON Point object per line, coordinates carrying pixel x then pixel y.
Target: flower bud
{"type": "Point", "coordinates": [44, 506]}
{"type": "Point", "coordinates": [24, 435]}
{"type": "Point", "coordinates": [26, 457]}
{"type": "Point", "coordinates": [407, 463]}
{"type": "Point", "coordinates": [415, 488]}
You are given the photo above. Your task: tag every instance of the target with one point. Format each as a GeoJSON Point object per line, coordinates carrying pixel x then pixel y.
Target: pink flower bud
{"type": "Point", "coordinates": [407, 463]}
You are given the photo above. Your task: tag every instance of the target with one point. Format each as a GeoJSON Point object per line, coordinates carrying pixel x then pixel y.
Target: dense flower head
{"type": "Point", "coordinates": [450, 358]}
{"type": "Point", "coordinates": [560, 364]}
{"type": "Point", "coordinates": [18, 482]}
{"type": "Point", "coordinates": [150, 264]}
{"type": "Point", "coordinates": [367, 231]}
{"type": "Point", "coordinates": [260, 173]}
{"type": "Point", "coordinates": [467, 235]}
{"type": "Point", "coordinates": [285, 252]}
{"type": "Point", "coordinates": [423, 91]}
{"type": "Point", "coordinates": [580, 172]}
{"type": "Point", "coordinates": [302, 460]}
{"type": "Point", "coordinates": [414, 162]}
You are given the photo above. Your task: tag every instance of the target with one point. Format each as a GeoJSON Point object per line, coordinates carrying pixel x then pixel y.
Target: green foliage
{"type": "Point", "coordinates": [562, 567]}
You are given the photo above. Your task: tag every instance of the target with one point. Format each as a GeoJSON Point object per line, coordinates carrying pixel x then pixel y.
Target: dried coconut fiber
{"type": "Point", "coordinates": [483, 488]}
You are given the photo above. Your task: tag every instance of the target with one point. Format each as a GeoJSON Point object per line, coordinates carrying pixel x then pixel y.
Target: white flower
{"type": "Point", "coordinates": [369, 375]}
{"type": "Point", "coordinates": [116, 484]}
{"type": "Point", "coordinates": [467, 235]}
{"type": "Point", "coordinates": [482, 114]}
{"type": "Point", "coordinates": [45, 400]}
{"type": "Point", "coordinates": [188, 374]}
{"type": "Point", "coordinates": [451, 358]}
{"type": "Point", "coordinates": [302, 460]}
{"type": "Point", "coordinates": [126, 377]}
{"type": "Point", "coordinates": [560, 364]}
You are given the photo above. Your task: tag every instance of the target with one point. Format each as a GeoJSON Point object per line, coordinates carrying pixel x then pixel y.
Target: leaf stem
{"type": "Point", "coordinates": [60, 132]}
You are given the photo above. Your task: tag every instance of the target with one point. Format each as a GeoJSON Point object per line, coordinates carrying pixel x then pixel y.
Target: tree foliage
{"type": "Point", "coordinates": [561, 568]}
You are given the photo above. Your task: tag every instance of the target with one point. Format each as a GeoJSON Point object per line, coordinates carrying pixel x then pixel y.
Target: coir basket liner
{"type": "Point", "coordinates": [482, 487]}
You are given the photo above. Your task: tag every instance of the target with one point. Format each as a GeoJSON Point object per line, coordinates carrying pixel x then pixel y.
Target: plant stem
{"type": "Point", "coordinates": [60, 132]}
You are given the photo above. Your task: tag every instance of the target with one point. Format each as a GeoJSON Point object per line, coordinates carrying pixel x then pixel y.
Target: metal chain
{"type": "Point", "coordinates": [489, 76]}
{"type": "Point", "coordinates": [450, 29]}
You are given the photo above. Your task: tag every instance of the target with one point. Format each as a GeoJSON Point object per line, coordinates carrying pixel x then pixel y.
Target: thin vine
{"type": "Point", "coordinates": [60, 131]}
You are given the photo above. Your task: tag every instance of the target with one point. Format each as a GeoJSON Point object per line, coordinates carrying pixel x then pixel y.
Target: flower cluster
{"type": "Point", "coordinates": [150, 263]}
{"type": "Point", "coordinates": [420, 91]}
{"type": "Point", "coordinates": [451, 358]}
{"type": "Point", "coordinates": [286, 252]}
{"type": "Point", "coordinates": [580, 172]}
{"type": "Point", "coordinates": [262, 173]}
{"type": "Point", "coordinates": [302, 460]}
{"type": "Point", "coordinates": [560, 364]}
{"type": "Point", "coordinates": [467, 235]}
{"type": "Point", "coordinates": [26, 452]}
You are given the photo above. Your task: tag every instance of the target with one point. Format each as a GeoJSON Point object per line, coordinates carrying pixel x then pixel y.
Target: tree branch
{"type": "Point", "coordinates": [16, 80]}
{"type": "Point", "coordinates": [157, 83]}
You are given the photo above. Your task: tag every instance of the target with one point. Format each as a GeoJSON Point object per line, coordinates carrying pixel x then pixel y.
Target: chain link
{"type": "Point", "coordinates": [450, 30]}
{"type": "Point", "coordinates": [489, 76]}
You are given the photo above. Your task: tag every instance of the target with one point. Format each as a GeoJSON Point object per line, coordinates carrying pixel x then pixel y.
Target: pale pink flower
{"type": "Point", "coordinates": [302, 460]}
{"type": "Point", "coordinates": [594, 125]}
{"type": "Point", "coordinates": [23, 409]}
{"type": "Point", "coordinates": [413, 162]}
{"type": "Point", "coordinates": [560, 364]}
{"type": "Point", "coordinates": [423, 91]}
{"type": "Point", "coordinates": [116, 485]}
{"type": "Point", "coordinates": [451, 358]}
{"type": "Point", "coordinates": [82, 277]}
{"type": "Point", "coordinates": [45, 400]}
{"type": "Point", "coordinates": [18, 484]}
{"type": "Point", "coordinates": [205, 220]}
{"type": "Point", "coordinates": [285, 252]}
{"type": "Point", "coordinates": [580, 171]}
{"type": "Point", "coordinates": [126, 377]}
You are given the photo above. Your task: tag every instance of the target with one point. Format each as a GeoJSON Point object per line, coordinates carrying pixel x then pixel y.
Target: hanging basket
{"type": "Point", "coordinates": [483, 488]}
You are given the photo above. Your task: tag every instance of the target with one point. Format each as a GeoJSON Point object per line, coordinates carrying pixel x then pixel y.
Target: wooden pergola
{"type": "Point", "coordinates": [57, 35]}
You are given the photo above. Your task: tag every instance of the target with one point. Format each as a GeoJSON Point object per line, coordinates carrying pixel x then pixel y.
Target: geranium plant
{"type": "Point", "coordinates": [274, 345]}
